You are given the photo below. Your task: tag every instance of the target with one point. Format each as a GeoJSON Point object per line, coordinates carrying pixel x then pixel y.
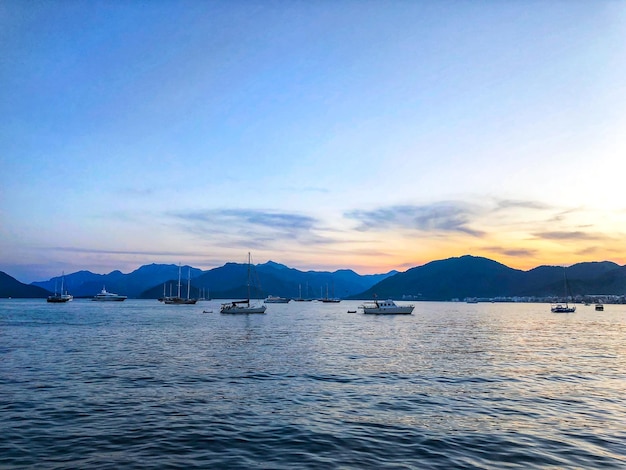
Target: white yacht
{"type": "Point", "coordinates": [105, 296]}
{"type": "Point", "coordinates": [386, 307]}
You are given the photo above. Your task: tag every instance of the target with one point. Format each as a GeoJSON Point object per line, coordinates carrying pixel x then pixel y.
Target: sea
{"type": "Point", "coordinates": [311, 385]}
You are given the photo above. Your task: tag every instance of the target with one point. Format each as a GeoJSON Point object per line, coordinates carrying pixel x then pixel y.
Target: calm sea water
{"type": "Point", "coordinates": [139, 384]}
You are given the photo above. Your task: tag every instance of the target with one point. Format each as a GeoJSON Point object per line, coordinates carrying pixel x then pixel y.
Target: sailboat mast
{"type": "Point", "coordinates": [179, 280]}
{"type": "Point", "coordinates": [248, 277]}
{"type": "Point", "coordinates": [568, 290]}
{"type": "Point", "coordinates": [188, 283]}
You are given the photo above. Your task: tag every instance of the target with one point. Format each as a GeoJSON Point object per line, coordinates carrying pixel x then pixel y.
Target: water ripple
{"type": "Point", "coordinates": [307, 386]}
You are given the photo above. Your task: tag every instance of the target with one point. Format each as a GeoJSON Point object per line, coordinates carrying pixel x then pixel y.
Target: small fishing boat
{"type": "Point", "coordinates": [386, 307]}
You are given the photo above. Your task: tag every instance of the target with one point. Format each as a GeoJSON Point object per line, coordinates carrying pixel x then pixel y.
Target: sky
{"type": "Point", "coordinates": [323, 135]}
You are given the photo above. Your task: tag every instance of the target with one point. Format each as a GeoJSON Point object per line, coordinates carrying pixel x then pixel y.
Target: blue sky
{"type": "Point", "coordinates": [323, 135]}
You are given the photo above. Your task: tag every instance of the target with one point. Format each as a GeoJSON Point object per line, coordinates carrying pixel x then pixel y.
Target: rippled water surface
{"type": "Point", "coordinates": [139, 384]}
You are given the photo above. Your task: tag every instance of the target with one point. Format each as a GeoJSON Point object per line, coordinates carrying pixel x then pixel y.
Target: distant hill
{"type": "Point", "coordinates": [471, 276]}
{"type": "Point", "coordinates": [11, 287]}
{"type": "Point", "coordinates": [88, 284]}
{"type": "Point", "coordinates": [465, 276]}
{"type": "Point", "coordinates": [229, 281]}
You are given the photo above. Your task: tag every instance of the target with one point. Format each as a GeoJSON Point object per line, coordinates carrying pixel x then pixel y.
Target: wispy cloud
{"type": "Point", "coordinates": [513, 252]}
{"type": "Point", "coordinates": [112, 252]}
{"type": "Point", "coordinates": [569, 235]}
{"type": "Point", "coordinates": [508, 204]}
{"type": "Point", "coordinates": [250, 227]}
{"type": "Point", "coordinates": [449, 216]}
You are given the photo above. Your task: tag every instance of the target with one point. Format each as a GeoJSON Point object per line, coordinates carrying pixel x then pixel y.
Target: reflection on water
{"type": "Point", "coordinates": [308, 385]}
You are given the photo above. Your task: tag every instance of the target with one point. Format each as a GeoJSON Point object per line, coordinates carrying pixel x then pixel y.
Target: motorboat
{"type": "Point", "coordinates": [386, 307]}
{"type": "Point", "coordinates": [105, 296]}
{"type": "Point", "coordinates": [560, 308]}
{"type": "Point", "coordinates": [272, 299]}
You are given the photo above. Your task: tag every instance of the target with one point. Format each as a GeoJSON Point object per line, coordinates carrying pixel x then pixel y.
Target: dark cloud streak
{"type": "Point", "coordinates": [565, 235]}
{"type": "Point", "coordinates": [251, 228]}
{"type": "Point", "coordinates": [437, 217]}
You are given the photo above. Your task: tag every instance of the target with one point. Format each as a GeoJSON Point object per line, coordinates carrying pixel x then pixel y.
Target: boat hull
{"type": "Point", "coordinates": [59, 299]}
{"type": "Point", "coordinates": [563, 309]}
{"type": "Point", "coordinates": [277, 300]}
{"type": "Point", "coordinates": [230, 309]}
{"type": "Point", "coordinates": [386, 307]}
{"type": "Point", "coordinates": [388, 311]}
{"type": "Point", "coordinates": [179, 301]}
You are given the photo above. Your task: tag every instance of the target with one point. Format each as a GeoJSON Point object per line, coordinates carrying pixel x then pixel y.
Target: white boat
{"type": "Point", "coordinates": [59, 298]}
{"type": "Point", "coordinates": [272, 299]}
{"type": "Point", "coordinates": [560, 308]}
{"type": "Point", "coordinates": [243, 306]}
{"type": "Point", "coordinates": [105, 296]}
{"type": "Point", "coordinates": [178, 300]}
{"type": "Point", "coordinates": [386, 307]}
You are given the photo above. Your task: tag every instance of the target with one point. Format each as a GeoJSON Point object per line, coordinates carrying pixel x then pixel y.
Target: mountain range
{"type": "Point", "coordinates": [470, 276]}
{"type": "Point", "coordinates": [452, 278]}
{"type": "Point", "coordinates": [228, 281]}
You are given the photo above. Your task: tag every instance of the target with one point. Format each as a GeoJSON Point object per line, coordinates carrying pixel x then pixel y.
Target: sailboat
{"type": "Point", "coordinates": [330, 300]}
{"type": "Point", "coordinates": [560, 308]}
{"type": "Point", "coordinates": [62, 297]}
{"type": "Point", "coordinates": [300, 299]}
{"type": "Point", "coordinates": [178, 300]}
{"type": "Point", "coordinates": [243, 306]}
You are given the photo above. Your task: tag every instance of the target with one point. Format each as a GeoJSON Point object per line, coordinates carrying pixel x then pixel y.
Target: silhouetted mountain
{"type": "Point", "coordinates": [451, 278]}
{"type": "Point", "coordinates": [88, 284]}
{"type": "Point", "coordinates": [470, 276]}
{"type": "Point", "coordinates": [229, 281]}
{"type": "Point", "coordinates": [11, 287]}
{"type": "Point", "coordinates": [466, 276]}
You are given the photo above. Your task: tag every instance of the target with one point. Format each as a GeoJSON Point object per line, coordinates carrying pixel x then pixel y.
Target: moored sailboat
{"type": "Point", "coordinates": [178, 300]}
{"type": "Point", "coordinates": [243, 306]}
{"type": "Point", "coordinates": [559, 307]}
{"type": "Point", "coordinates": [59, 298]}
